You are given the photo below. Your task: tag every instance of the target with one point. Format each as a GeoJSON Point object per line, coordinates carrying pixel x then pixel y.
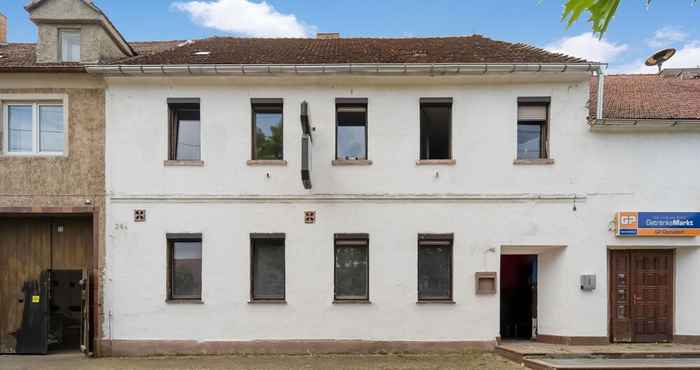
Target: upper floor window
{"type": "Point", "coordinates": [351, 267]}
{"type": "Point", "coordinates": [69, 45]}
{"type": "Point", "coordinates": [351, 129]}
{"type": "Point", "coordinates": [435, 128]}
{"type": "Point", "coordinates": [533, 128]}
{"type": "Point", "coordinates": [34, 128]}
{"type": "Point", "coordinates": [184, 266]}
{"type": "Point", "coordinates": [184, 136]}
{"type": "Point", "coordinates": [435, 267]}
{"type": "Point", "coordinates": [267, 129]}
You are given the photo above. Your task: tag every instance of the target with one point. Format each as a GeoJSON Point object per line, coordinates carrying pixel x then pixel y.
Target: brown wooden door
{"type": "Point", "coordinates": [652, 296]}
{"type": "Point", "coordinates": [641, 296]}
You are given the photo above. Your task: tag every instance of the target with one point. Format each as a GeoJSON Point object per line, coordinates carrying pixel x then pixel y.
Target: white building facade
{"type": "Point", "coordinates": [481, 203]}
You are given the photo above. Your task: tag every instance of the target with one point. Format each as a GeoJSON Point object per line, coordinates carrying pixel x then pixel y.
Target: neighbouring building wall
{"type": "Point", "coordinates": [99, 41]}
{"type": "Point", "coordinates": [484, 199]}
{"type": "Point", "coordinates": [71, 181]}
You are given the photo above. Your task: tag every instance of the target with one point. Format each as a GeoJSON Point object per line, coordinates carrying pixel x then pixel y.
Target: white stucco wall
{"type": "Point", "coordinates": [608, 171]}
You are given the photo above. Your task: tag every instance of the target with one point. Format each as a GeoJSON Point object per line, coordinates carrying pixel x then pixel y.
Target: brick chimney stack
{"type": "Point", "coordinates": [3, 29]}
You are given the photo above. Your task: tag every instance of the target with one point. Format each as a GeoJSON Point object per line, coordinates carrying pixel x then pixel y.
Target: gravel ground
{"type": "Point", "coordinates": [468, 360]}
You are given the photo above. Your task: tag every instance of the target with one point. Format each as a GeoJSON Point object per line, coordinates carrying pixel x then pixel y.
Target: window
{"type": "Point", "coordinates": [435, 267]}
{"type": "Point", "coordinates": [35, 128]}
{"type": "Point", "coordinates": [184, 130]}
{"type": "Point", "coordinates": [351, 129]}
{"type": "Point", "coordinates": [435, 128]}
{"type": "Point", "coordinates": [533, 128]}
{"type": "Point", "coordinates": [184, 266]}
{"type": "Point", "coordinates": [267, 129]}
{"type": "Point", "coordinates": [351, 267]}
{"type": "Point", "coordinates": [69, 45]}
{"type": "Point", "coordinates": [267, 267]}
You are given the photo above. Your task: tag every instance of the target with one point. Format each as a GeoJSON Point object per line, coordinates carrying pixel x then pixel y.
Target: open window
{"type": "Point", "coordinates": [267, 129]}
{"type": "Point", "coordinates": [533, 128]}
{"type": "Point", "coordinates": [267, 267]}
{"type": "Point", "coordinates": [184, 126]}
{"type": "Point", "coordinates": [351, 129]}
{"type": "Point", "coordinates": [184, 267]}
{"type": "Point", "coordinates": [435, 128]}
{"type": "Point", "coordinates": [435, 267]}
{"type": "Point", "coordinates": [351, 268]}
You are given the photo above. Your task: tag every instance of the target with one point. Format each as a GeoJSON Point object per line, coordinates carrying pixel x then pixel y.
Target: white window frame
{"type": "Point", "coordinates": [35, 101]}
{"type": "Point", "coordinates": [61, 57]}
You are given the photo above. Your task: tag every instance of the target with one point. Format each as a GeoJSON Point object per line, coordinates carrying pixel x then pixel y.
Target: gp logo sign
{"type": "Point", "coordinates": [658, 224]}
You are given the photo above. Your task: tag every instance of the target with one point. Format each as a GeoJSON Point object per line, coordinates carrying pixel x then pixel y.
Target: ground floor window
{"type": "Point", "coordinates": [435, 267]}
{"type": "Point", "coordinates": [351, 267]}
{"type": "Point", "coordinates": [267, 267]}
{"type": "Point", "coordinates": [184, 266]}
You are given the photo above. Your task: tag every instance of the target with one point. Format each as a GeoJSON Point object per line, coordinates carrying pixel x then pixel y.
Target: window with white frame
{"type": "Point", "coordinates": [34, 128]}
{"type": "Point", "coordinates": [69, 45]}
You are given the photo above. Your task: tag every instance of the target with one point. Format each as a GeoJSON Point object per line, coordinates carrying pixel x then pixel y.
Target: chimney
{"type": "Point", "coordinates": [327, 35]}
{"type": "Point", "coordinates": [3, 29]}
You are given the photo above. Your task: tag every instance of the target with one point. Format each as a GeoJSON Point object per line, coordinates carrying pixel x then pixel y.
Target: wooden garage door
{"type": "Point", "coordinates": [29, 246]}
{"type": "Point", "coordinates": [642, 296]}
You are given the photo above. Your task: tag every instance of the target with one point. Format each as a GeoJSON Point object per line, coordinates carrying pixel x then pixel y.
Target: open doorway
{"type": "Point", "coordinates": [518, 296]}
{"type": "Point", "coordinates": [45, 291]}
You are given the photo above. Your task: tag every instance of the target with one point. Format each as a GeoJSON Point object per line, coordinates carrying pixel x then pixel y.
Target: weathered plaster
{"type": "Point", "coordinates": [75, 180]}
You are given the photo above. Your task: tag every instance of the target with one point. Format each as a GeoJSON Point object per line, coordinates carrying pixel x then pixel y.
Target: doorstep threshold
{"type": "Point", "coordinates": [587, 363]}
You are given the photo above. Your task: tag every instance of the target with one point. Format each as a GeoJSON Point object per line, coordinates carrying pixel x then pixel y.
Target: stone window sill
{"type": "Point", "coordinates": [352, 301]}
{"type": "Point", "coordinates": [184, 301]}
{"type": "Point", "coordinates": [266, 162]}
{"type": "Point", "coordinates": [352, 162]}
{"type": "Point", "coordinates": [543, 161]}
{"type": "Point", "coordinates": [172, 163]}
{"type": "Point", "coordinates": [267, 301]}
{"type": "Point", "coordinates": [436, 301]}
{"type": "Point", "coordinates": [436, 162]}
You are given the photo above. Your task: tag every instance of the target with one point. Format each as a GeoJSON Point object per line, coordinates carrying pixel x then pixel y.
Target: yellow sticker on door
{"type": "Point", "coordinates": [35, 299]}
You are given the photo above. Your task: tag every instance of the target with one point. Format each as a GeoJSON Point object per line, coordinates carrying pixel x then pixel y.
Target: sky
{"type": "Point", "coordinates": [635, 33]}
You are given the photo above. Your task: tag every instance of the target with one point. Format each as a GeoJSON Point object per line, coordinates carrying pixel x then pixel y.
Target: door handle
{"type": "Point", "coordinates": [634, 299]}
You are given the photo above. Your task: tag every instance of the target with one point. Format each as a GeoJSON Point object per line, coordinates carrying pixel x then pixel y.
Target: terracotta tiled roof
{"type": "Point", "coordinates": [466, 49]}
{"type": "Point", "coordinates": [20, 57]}
{"type": "Point", "coordinates": [648, 97]}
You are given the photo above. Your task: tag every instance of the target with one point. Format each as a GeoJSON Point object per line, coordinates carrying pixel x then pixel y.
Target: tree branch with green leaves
{"type": "Point", "coordinates": [601, 12]}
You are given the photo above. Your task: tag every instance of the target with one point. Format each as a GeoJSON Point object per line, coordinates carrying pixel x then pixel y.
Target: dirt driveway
{"type": "Point", "coordinates": [469, 360]}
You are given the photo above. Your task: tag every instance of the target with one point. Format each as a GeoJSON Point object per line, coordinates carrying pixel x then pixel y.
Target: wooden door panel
{"type": "Point", "coordinates": [621, 325]}
{"type": "Point", "coordinates": [652, 296]}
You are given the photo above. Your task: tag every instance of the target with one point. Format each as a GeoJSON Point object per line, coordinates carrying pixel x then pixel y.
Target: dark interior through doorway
{"type": "Point", "coordinates": [518, 296]}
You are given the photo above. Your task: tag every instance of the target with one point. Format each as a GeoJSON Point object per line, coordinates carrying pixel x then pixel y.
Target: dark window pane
{"type": "Point", "coordinates": [187, 269]}
{"type": "Point", "coordinates": [529, 140]}
{"type": "Point", "coordinates": [351, 272]}
{"type": "Point", "coordinates": [19, 121]}
{"type": "Point", "coordinates": [268, 269]}
{"type": "Point", "coordinates": [351, 132]}
{"type": "Point", "coordinates": [435, 131]}
{"type": "Point", "coordinates": [188, 133]}
{"type": "Point", "coordinates": [434, 272]}
{"type": "Point", "coordinates": [268, 133]}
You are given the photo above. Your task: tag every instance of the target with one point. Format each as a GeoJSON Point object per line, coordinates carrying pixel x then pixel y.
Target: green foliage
{"type": "Point", "coordinates": [601, 12]}
{"type": "Point", "coordinates": [269, 147]}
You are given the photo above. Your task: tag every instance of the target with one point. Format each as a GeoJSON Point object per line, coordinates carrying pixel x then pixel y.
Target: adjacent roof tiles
{"type": "Point", "coordinates": [640, 97]}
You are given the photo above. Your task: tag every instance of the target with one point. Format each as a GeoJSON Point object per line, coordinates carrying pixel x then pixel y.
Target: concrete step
{"type": "Point", "coordinates": [587, 363]}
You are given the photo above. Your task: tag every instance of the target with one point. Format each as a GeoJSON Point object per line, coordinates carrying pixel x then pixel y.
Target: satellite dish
{"type": "Point", "coordinates": [660, 57]}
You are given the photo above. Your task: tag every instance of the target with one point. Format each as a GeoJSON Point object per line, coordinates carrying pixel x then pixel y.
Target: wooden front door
{"type": "Point", "coordinates": [641, 287]}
